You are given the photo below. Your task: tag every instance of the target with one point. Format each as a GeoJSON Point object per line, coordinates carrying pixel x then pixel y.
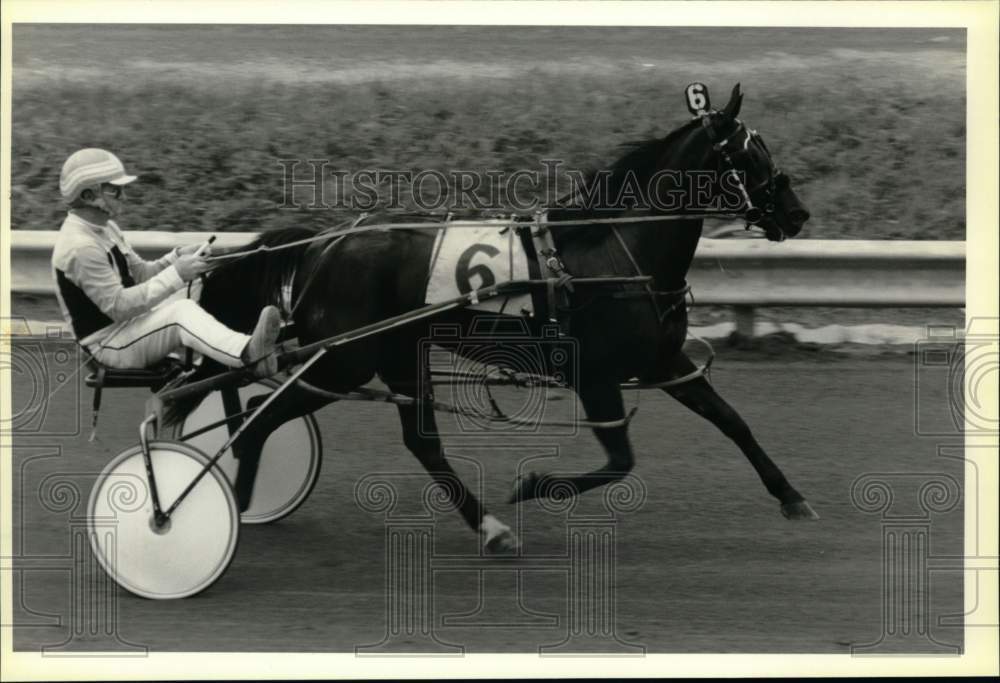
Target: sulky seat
{"type": "Point", "coordinates": [153, 378]}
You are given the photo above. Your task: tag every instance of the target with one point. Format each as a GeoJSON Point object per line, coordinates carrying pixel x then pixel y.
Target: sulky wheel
{"type": "Point", "coordinates": [289, 463]}
{"type": "Point", "coordinates": [190, 551]}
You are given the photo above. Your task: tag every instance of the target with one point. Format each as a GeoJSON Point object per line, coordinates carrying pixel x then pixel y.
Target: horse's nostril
{"type": "Point", "coordinates": [799, 216]}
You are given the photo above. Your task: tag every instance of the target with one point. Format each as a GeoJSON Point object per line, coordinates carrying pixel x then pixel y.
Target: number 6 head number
{"type": "Point", "coordinates": [697, 99]}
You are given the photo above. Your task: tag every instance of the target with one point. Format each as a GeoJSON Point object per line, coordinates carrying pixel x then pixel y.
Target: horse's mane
{"type": "Point", "coordinates": [641, 158]}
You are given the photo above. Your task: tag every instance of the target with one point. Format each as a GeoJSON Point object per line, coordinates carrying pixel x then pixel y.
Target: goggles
{"type": "Point", "coordinates": [112, 190]}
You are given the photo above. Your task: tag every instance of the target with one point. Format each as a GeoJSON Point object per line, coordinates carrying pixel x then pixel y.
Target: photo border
{"type": "Point", "coordinates": [980, 21]}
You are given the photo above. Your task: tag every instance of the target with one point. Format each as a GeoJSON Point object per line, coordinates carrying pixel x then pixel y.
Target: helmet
{"type": "Point", "coordinates": [90, 168]}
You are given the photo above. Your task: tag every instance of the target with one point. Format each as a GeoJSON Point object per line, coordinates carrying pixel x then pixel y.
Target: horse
{"type": "Point", "coordinates": [344, 284]}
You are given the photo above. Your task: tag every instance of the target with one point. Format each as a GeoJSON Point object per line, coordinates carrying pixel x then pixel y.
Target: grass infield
{"type": "Point", "coordinates": [870, 124]}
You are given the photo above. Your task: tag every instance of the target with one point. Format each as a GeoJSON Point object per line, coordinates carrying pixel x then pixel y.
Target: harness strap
{"type": "Point", "coordinates": [694, 374]}
{"type": "Point", "coordinates": [628, 252]}
{"type": "Point", "coordinates": [660, 313]}
{"type": "Point", "coordinates": [550, 300]}
{"type": "Point", "coordinates": [702, 371]}
{"type": "Point", "coordinates": [287, 284]}
{"type": "Point", "coordinates": [678, 295]}
{"type": "Point", "coordinates": [96, 407]}
{"type": "Point", "coordinates": [379, 396]}
{"type": "Point", "coordinates": [558, 286]}
{"type": "Point", "coordinates": [309, 280]}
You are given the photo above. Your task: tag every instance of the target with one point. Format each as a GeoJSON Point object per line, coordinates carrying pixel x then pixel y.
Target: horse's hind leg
{"type": "Point", "coordinates": [420, 434]}
{"type": "Point", "coordinates": [602, 402]}
{"type": "Point", "coordinates": [292, 403]}
{"type": "Point", "coordinates": [701, 397]}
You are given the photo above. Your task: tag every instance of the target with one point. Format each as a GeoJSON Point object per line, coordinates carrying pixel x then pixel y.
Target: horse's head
{"type": "Point", "coordinates": [747, 175]}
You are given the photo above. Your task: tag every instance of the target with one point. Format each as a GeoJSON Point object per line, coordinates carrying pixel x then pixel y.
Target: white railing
{"type": "Point", "coordinates": [744, 274]}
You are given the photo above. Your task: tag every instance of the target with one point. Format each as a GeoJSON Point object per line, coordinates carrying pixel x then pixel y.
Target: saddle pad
{"type": "Point", "coordinates": [469, 255]}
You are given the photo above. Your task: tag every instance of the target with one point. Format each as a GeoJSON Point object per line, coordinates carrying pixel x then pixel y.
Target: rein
{"type": "Point", "coordinates": [535, 220]}
{"type": "Point", "coordinates": [338, 232]}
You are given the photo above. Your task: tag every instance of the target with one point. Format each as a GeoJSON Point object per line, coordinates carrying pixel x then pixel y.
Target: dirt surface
{"type": "Point", "coordinates": [706, 562]}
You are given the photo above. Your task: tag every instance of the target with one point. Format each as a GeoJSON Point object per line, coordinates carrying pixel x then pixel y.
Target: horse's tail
{"type": "Point", "coordinates": [263, 265]}
{"type": "Point", "coordinates": [247, 278]}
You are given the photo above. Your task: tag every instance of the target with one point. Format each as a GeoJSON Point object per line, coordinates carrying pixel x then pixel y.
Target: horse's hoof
{"type": "Point", "coordinates": [504, 543]}
{"type": "Point", "coordinates": [798, 510]}
{"type": "Point", "coordinates": [526, 487]}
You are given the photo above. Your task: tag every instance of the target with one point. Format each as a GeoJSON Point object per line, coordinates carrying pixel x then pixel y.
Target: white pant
{"type": "Point", "coordinates": [151, 337]}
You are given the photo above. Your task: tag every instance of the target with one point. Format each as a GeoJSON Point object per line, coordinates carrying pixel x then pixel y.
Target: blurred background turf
{"type": "Point", "coordinates": [870, 123]}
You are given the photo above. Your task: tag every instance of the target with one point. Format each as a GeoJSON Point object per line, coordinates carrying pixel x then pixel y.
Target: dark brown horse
{"type": "Point", "coordinates": [370, 276]}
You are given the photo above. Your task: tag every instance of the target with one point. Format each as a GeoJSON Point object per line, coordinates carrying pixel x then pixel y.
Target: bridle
{"type": "Point", "coordinates": [752, 213]}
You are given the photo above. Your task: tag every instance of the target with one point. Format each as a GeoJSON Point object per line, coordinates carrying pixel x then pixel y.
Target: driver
{"type": "Point", "coordinates": [121, 308]}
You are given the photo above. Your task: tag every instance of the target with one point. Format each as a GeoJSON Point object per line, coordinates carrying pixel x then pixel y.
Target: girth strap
{"type": "Point", "coordinates": [559, 284]}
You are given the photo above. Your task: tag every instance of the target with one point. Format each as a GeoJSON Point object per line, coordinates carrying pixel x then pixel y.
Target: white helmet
{"type": "Point", "coordinates": [89, 169]}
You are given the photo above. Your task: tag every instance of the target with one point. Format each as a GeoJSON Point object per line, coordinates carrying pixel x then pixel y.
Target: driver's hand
{"type": "Point", "coordinates": [190, 266]}
{"type": "Point", "coordinates": [188, 249]}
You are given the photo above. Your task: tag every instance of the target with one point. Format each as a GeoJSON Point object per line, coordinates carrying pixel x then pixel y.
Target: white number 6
{"type": "Point", "coordinates": [697, 98]}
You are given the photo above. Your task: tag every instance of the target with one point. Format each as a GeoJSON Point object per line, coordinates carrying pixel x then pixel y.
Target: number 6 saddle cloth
{"type": "Point", "coordinates": [471, 254]}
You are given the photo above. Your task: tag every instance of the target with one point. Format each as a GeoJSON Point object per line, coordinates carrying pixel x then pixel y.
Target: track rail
{"type": "Point", "coordinates": [749, 273]}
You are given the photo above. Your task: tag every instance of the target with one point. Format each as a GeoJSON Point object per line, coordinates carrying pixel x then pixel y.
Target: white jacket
{"type": "Point", "coordinates": [100, 280]}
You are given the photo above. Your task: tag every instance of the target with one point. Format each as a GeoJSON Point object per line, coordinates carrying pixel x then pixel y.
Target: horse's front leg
{"type": "Point", "coordinates": [602, 402]}
{"type": "Point", "coordinates": [701, 397]}
{"type": "Point", "coordinates": [420, 434]}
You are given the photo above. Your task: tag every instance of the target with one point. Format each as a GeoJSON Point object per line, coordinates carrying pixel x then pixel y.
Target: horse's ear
{"type": "Point", "coordinates": [732, 109]}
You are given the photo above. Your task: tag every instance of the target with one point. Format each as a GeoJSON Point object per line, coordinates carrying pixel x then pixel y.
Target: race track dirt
{"type": "Point", "coordinates": [706, 563]}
